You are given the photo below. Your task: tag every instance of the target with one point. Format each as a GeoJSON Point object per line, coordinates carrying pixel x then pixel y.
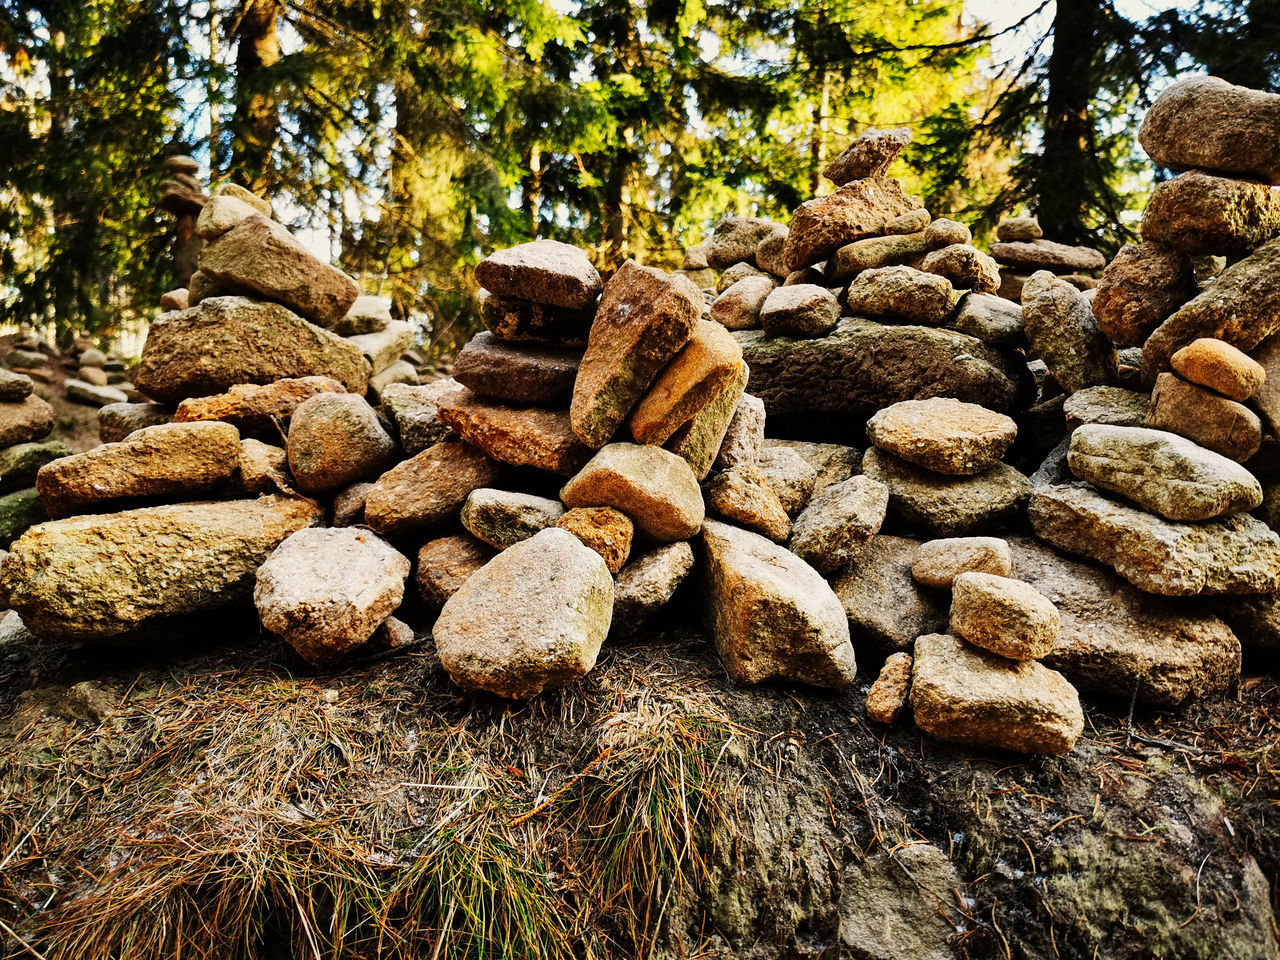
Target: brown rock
{"type": "Point", "coordinates": [968, 268]}
{"type": "Point", "coordinates": [885, 606]}
{"type": "Point", "coordinates": [741, 495]}
{"type": "Point", "coordinates": [510, 318]}
{"type": "Point", "coordinates": [788, 475]}
{"type": "Point", "coordinates": [902, 294]}
{"type": "Point", "coordinates": [739, 271]}
{"type": "Point", "coordinates": [888, 695]}
{"type": "Point", "coordinates": [520, 436]}
{"type": "Point", "coordinates": [348, 504]}
{"type": "Point", "coordinates": [700, 440]}
{"type": "Point", "coordinates": [990, 318]}
{"type": "Point", "coordinates": [944, 435]}
{"type": "Point", "coordinates": [832, 462]}
{"type": "Point", "coordinates": [647, 583]}
{"type": "Point", "coordinates": [862, 208]}
{"type": "Point", "coordinates": [1063, 333]}
{"type": "Point", "coordinates": [414, 410]}
{"type": "Point", "coordinates": [117, 420]}
{"type": "Point", "coordinates": [1221, 367]}
{"type": "Point", "coordinates": [868, 156]}
{"type": "Point", "coordinates": [1140, 289]}
{"type": "Point", "coordinates": [605, 530]}
{"type": "Point", "coordinates": [937, 563]}
{"type": "Point", "coordinates": [426, 490]}
{"type": "Point", "coordinates": [259, 409]}
{"type": "Point", "coordinates": [1208, 418]}
{"type": "Point", "coordinates": [652, 486]}
{"type": "Point", "coordinates": [25, 420]}
{"type": "Point", "coordinates": [700, 372]}
{"type": "Point", "coordinates": [833, 530]}
{"type": "Point", "coordinates": [914, 221]}
{"type": "Point", "coordinates": [1200, 213]}
{"type": "Point", "coordinates": [1003, 615]}
{"type": "Point", "coordinates": [799, 310]}
{"type": "Point", "coordinates": [851, 259]}
{"type": "Point", "coordinates": [336, 439]}
{"type": "Point", "coordinates": [544, 271]}
{"type": "Point", "coordinates": [529, 373]}
{"type": "Point", "coordinates": [177, 299]}
{"type": "Point", "coordinates": [1033, 255]}
{"type": "Point", "coordinates": [944, 233]}
{"type": "Point", "coordinates": [1018, 228]}
{"type": "Point", "coordinates": [744, 438]}
{"type": "Point", "coordinates": [738, 308]}
{"type": "Point", "coordinates": [735, 239]}
{"type": "Point", "coordinates": [769, 253]}
{"type": "Point", "coordinates": [445, 564]}
{"type": "Point", "coordinates": [1115, 406]}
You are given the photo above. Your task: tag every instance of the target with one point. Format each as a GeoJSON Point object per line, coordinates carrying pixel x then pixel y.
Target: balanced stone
{"type": "Point", "coordinates": [990, 318]}
{"type": "Point", "coordinates": [414, 411]}
{"type": "Point", "coordinates": [543, 271]}
{"type": "Point", "coordinates": [738, 308]}
{"type": "Point", "coordinates": [25, 421]}
{"type": "Point", "coordinates": [1219, 366]}
{"type": "Point", "coordinates": [868, 156]}
{"type": "Point", "coordinates": [1208, 418]}
{"type": "Point", "coordinates": [1047, 255]}
{"type": "Point", "coordinates": [1003, 615]}
{"type": "Point", "coordinates": [937, 563]}
{"type": "Point", "coordinates": [701, 439]}
{"type": "Point", "coordinates": [647, 584]}
{"type": "Point", "coordinates": [885, 606]}
{"type": "Point", "coordinates": [888, 695]}
{"type": "Point", "coordinates": [645, 317]}
{"type": "Point", "coordinates": [1117, 406]}
{"type": "Point", "coordinates": [968, 268]}
{"type": "Point", "coordinates": [1063, 333]}
{"type": "Point", "coordinates": [532, 618]}
{"type": "Point", "coordinates": [944, 435]}
{"type": "Point", "coordinates": [502, 518]}
{"type": "Point", "coordinates": [859, 209]}
{"type": "Point", "coordinates": [771, 615]}
{"type": "Point", "coordinates": [705, 366]}
{"type": "Point", "coordinates": [739, 271]}
{"type": "Point", "coordinates": [799, 310]}
{"type": "Point", "coordinates": [914, 221]}
{"type": "Point", "coordinates": [117, 420]}
{"type": "Point", "coordinates": [851, 259]}
{"type": "Point", "coordinates": [518, 435]}
{"type": "Point", "coordinates": [326, 591]}
{"type": "Point", "coordinates": [529, 373]}
{"type": "Point", "coordinates": [1140, 289]}
{"type": "Point", "coordinates": [94, 395]}
{"type": "Point", "coordinates": [384, 347]}
{"type": "Point", "coordinates": [445, 564]}
{"type": "Point", "coordinates": [652, 486]}
{"type": "Point", "coordinates": [366, 315]}
{"type": "Point", "coordinates": [834, 528]}
{"type": "Point", "coordinates": [1200, 213]}
{"type": "Point", "coordinates": [259, 409]}
{"type": "Point", "coordinates": [511, 318]}
{"type": "Point", "coordinates": [903, 294]}
{"type": "Point", "coordinates": [944, 233]}
{"type": "Point", "coordinates": [735, 239]}
{"type": "Point", "coordinates": [14, 387]}
{"type": "Point", "coordinates": [20, 463]}
{"type": "Point", "coordinates": [1018, 228]}
{"type": "Point", "coordinates": [426, 490]}
{"type": "Point", "coordinates": [741, 495]}
{"type": "Point", "coordinates": [607, 531]}
{"type": "Point", "coordinates": [336, 439]}
{"type": "Point", "coordinates": [234, 190]}
{"type": "Point", "coordinates": [221, 214]}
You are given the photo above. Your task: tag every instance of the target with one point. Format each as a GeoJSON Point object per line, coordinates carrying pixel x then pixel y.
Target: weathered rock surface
{"type": "Point", "coordinates": [348, 503]}
{"type": "Point", "coordinates": [19, 511]}
{"type": "Point", "coordinates": [414, 410]}
{"type": "Point", "coordinates": [735, 239]}
{"type": "Point", "coordinates": [945, 233]}
{"type": "Point", "coordinates": [968, 268]}
{"type": "Point", "coordinates": [117, 420]}
{"type": "Point", "coordinates": [428, 489]}
{"type": "Point", "coordinates": [990, 318]}
{"type": "Point", "coordinates": [232, 340]}
{"type": "Point", "coordinates": [652, 486]}
{"type": "Point", "coordinates": [647, 584]}
{"type": "Point", "coordinates": [738, 308]}
{"type": "Point", "coordinates": [835, 527]}
{"type": "Point", "coordinates": [703, 369]}
{"type": "Point", "coordinates": [869, 155]}
{"type": "Point", "coordinates": [742, 496]}
{"type": "Point", "coordinates": [25, 421]}
{"type": "Point", "coordinates": [701, 439]}
{"type": "Point", "coordinates": [862, 208]}
{"type": "Point", "coordinates": [258, 409]}
{"type": "Point", "coordinates": [799, 310]}
{"type": "Point", "coordinates": [851, 259]}
{"type": "Point", "coordinates": [789, 475]}
{"type": "Point", "coordinates": [264, 469]}
{"type": "Point", "coordinates": [1200, 213]}
{"type": "Point", "coordinates": [20, 463]}
{"type": "Point", "coordinates": [961, 693]}
{"type": "Point", "coordinates": [445, 564]}
{"type": "Point", "coordinates": [888, 695]}
{"type": "Point", "coordinates": [511, 318]}
{"type": "Point", "coordinates": [607, 531]}
{"type": "Point", "coordinates": [221, 214]}
{"type": "Point", "coordinates": [1140, 289]}
{"type": "Point", "coordinates": [1236, 554]}
{"type": "Point", "coordinates": [885, 606]}
{"type": "Point", "coordinates": [645, 317]}
{"type": "Point", "coordinates": [179, 461]}
{"type": "Point", "coordinates": [1018, 228]}
{"type": "Point", "coordinates": [831, 462]}
{"type": "Point", "coordinates": [336, 439]}
{"type": "Point", "coordinates": [1221, 367]}
{"type": "Point", "coordinates": [384, 347]}
{"type": "Point", "coordinates": [1047, 255]}
{"type": "Point", "coordinates": [739, 271]}
{"type": "Point", "coordinates": [1003, 615]}
{"type": "Point", "coordinates": [744, 438]}
{"type": "Point", "coordinates": [502, 518]}
{"type": "Point", "coordinates": [101, 576]}
{"type": "Point", "coordinates": [937, 563]}
{"type": "Point", "coordinates": [1117, 406]}
{"type": "Point", "coordinates": [366, 315]}
{"type": "Point", "coordinates": [1062, 332]}
{"type": "Point", "coordinates": [771, 614]}
{"type": "Point", "coordinates": [95, 396]}
{"type": "Point", "coordinates": [326, 591]}
{"type": "Point", "coordinates": [532, 618]}
{"type": "Point", "coordinates": [518, 435]}
{"type": "Point", "coordinates": [1208, 418]}
{"type": "Point", "coordinates": [903, 294]}
{"type": "Point", "coordinates": [543, 271]}
{"type": "Point", "coordinates": [769, 253]}
{"type": "Point", "coordinates": [943, 435]}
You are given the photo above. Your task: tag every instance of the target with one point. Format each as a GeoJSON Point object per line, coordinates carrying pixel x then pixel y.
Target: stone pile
{"type": "Point", "coordinates": [1021, 251]}
{"type": "Point", "coordinates": [26, 421]}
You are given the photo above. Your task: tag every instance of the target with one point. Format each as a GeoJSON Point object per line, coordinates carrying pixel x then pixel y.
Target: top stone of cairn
{"type": "Point", "coordinates": [544, 271]}
{"type": "Point", "coordinates": [868, 156]}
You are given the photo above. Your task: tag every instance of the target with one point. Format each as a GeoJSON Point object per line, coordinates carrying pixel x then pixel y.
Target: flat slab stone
{"type": "Point", "coordinates": [860, 209]}
{"type": "Point", "coordinates": [943, 434]}
{"type": "Point", "coordinates": [884, 604]}
{"type": "Point", "coordinates": [521, 436]}
{"type": "Point", "coordinates": [426, 490]}
{"type": "Point", "coordinates": [529, 373]}
{"type": "Point", "coordinates": [117, 420]}
{"type": "Point", "coordinates": [1018, 228]}
{"type": "Point", "coordinates": [851, 259]}
{"type": "Point", "coordinates": [1047, 255]}
{"type": "Point", "coordinates": [1199, 213]}
{"type": "Point", "coordinates": [1236, 554]}
{"type": "Point", "coordinates": [1117, 406]}
{"type": "Point", "coordinates": [652, 486]}
{"type": "Point", "coordinates": [771, 615]}
{"type": "Point", "coordinates": [92, 394]}
{"type": "Point", "coordinates": [543, 271]}
{"type": "Point", "coordinates": [258, 409]}
{"type": "Point", "coordinates": [703, 369]}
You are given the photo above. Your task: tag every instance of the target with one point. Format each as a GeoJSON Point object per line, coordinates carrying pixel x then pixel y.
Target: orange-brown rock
{"type": "Point", "coordinates": [254, 408]}
{"type": "Point", "coordinates": [445, 564]}
{"type": "Point", "coordinates": [701, 371]}
{"type": "Point", "coordinates": [1219, 366]}
{"type": "Point", "coordinates": [742, 495]}
{"type": "Point", "coordinates": [888, 695]}
{"type": "Point", "coordinates": [859, 209]}
{"type": "Point", "coordinates": [607, 531]}
{"type": "Point", "coordinates": [520, 436]}
{"type": "Point", "coordinates": [428, 489]}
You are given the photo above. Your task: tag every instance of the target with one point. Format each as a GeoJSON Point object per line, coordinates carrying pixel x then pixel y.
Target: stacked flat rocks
{"type": "Point", "coordinates": [26, 420]}
{"type": "Point", "coordinates": [1022, 250]}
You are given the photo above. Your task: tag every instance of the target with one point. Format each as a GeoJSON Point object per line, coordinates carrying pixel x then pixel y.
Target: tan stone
{"type": "Point", "coordinates": [943, 506]}
{"type": "Point", "coordinates": [652, 486]}
{"type": "Point", "coordinates": [445, 564]}
{"type": "Point", "coordinates": [888, 695]}
{"type": "Point", "coordinates": [1046, 255]}
{"type": "Point", "coordinates": [605, 530]}
{"type": "Point", "coordinates": [543, 271]}
{"type": "Point", "coordinates": [741, 495]}
{"type": "Point", "coordinates": [834, 528]}
{"type": "Point", "coordinates": [1198, 212]}
{"type": "Point", "coordinates": [427, 490]}
{"type": "Point", "coordinates": [1219, 366]}
{"type": "Point", "coordinates": [646, 584]}
{"type": "Point", "coordinates": [789, 475]}
{"type": "Point", "coordinates": [1003, 615]}
{"type": "Point", "coordinates": [25, 421]}
{"type": "Point", "coordinates": [869, 155]}
{"type": "Point", "coordinates": [1018, 228]}
{"type": "Point", "coordinates": [1064, 334]}
{"type": "Point", "coordinates": [885, 606]}
{"type": "Point", "coordinates": [702, 440]}
{"type": "Point", "coordinates": [261, 409]}
{"type": "Point", "coordinates": [937, 563]}
{"type": "Point", "coordinates": [944, 435]}
{"type": "Point", "coordinates": [336, 439]}
{"type": "Point", "coordinates": [518, 435]}
{"type": "Point", "coordinates": [738, 307]}
{"type": "Point", "coordinates": [968, 268]}
{"type": "Point", "coordinates": [1208, 418]}
{"type": "Point", "coordinates": [700, 372]}
{"type": "Point", "coordinates": [859, 209]}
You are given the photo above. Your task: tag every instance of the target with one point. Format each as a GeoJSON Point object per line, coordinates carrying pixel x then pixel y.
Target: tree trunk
{"type": "Point", "coordinates": [256, 110]}
{"type": "Point", "coordinates": [531, 189]}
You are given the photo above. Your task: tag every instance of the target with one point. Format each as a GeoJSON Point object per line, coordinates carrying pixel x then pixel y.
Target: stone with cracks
{"type": "Point", "coordinates": [990, 318]}
{"type": "Point", "coordinates": [869, 155]}
{"type": "Point", "coordinates": [734, 240]}
{"type": "Point", "coordinates": [645, 317]}
{"type": "Point", "coordinates": [20, 463]}
{"type": "Point", "coordinates": [1210, 419]}
{"type": "Point", "coordinates": [105, 575]}
{"type": "Point", "coordinates": [703, 369]}
{"type": "Point", "coordinates": [326, 591]}
{"type": "Point", "coordinates": [833, 530]}
{"type": "Point", "coordinates": [1141, 288]}
{"type": "Point", "coordinates": [257, 409]}
{"type": "Point", "coordinates": [445, 564]}
{"type": "Point", "coordinates": [510, 318]}
{"type": "Point", "coordinates": [518, 435]}
{"type": "Point", "coordinates": [937, 563]}
{"type": "Point", "coordinates": [888, 695]}
{"type": "Point", "coordinates": [799, 310]}
{"type": "Point", "coordinates": [1200, 213]}
{"type": "Point", "coordinates": [414, 410]}
{"type": "Point", "coordinates": [227, 341]}
{"type": "Point", "coordinates": [859, 209]}
{"type": "Point", "coordinates": [502, 518]}
{"type": "Point", "coordinates": [25, 421]}
{"type": "Point", "coordinates": [336, 439]}
{"type": "Point", "coordinates": [968, 268]}
{"type": "Point", "coordinates": [1035, 255]}
{"type": "Point", "coordinates": [426, 490]}
{"type": "Point", "coordinates": [967, 695]}
{"type": "Point", "coordinates": [607, 531]}
{"type": "Point", "coordinates": [943, 435]}
{"type": "Point", "coordinates": [117, 420]}
{"type": "Point", "coordinates": [742, 495]}
{"type": "Point", "coordinates": [738, 308]}
{"type": "Point", "coordinates": [528, 373]}
{"type": "Point", "coordinates": [1221, 367]}
{"type": "Point", "coordinates": [701, 439]}
{"type": "Point", "coordinates": [1117, 406]}
{"type": "Point", "coordinates": [543, 271]}
{"type": "Point", "coordinates": [1003, 615]}
{"type": "Point", "coordinates": [532, 618]}
{"type": "Point", "coordinates": [771, 615]}
{"type": "Point", "coordinates": [1062, 332]}
{"type": "Point", "coordinates": [261, 256]}
{"type": "Point", "coordinates": [1237, 554]}
{"type": "Point", "coordinates": [885, 606]}
{"type": "Point", "coordinates": [647, 584]}
{"type": "Point", "coordinates": [173, 460]}
{"type": "Point", "coordinates": [903, 294]}
{"type": "Point", "coordinates": [652, 486]}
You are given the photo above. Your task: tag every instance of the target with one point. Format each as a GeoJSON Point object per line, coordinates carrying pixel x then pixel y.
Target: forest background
{"type": "Point", "coordinates": [406, 140]}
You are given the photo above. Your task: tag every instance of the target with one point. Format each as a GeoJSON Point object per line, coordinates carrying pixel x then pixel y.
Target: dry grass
{"type": "Point", "coordinates": [247, 814]}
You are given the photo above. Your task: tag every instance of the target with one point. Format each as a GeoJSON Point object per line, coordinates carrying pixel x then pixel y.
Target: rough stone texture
{"type": "Point", "coordinates": [18, 511]}
{"type": "Point", "coordinates": [502, 518]}
{"type": "Point", "coordinates": [1211, 420]}
{"type": "Point", "coordinates": [262, 256]}
{"type": "Point", "coordinates": [831, 462]}
{"type": "Point", "coordinates": [869, 155]}
{"type": "Point", "coordinates": [943, 506]}
{"type": "Point", "coordinates": [860, 209]}
{"type": "Point", "coordinates": [326, 591]}
{"type": "Point", "coordinates": [902, 293]}
{"type": "Point", "coordinates": [1018, 228]}
{"type": "Point", "coordinates": [1046, 255]}
{"type": "Point", "coordinates": [201, 287]}
{"type": "Point", "coordinates": [769, 253]}
{"type": "Point", "coordinates": [520, 436]}
{"type": "Point", "coordinates": [1063, 333]}
{"type": "Point", "coordinates": [232, 340]}
{"type": "Point", "coordinates": [862, 366]}
{"type": "Point", "coordinates": [1219, 366]}
{"type": "Point", "coordinates": [937, 563]}
{"type": "Point", "coordinates": [1117, 640]}
{"type": "Point", "coordinates": [834, 528]}
{"type": "Point", "coordinates": [426, 490]}
{"type": "Point", "coordinates": [14, 387]}
{"type": "Point", "coordinates": [384, 347]}
{"type": "Point", "coordinates": [1241, 306]}
{"type": "Point", "coordinates": [799, 310]}
{"type": "Point", "coordinates": [645, 317]}
{"type": "Point", "coordinates": [914, 221]}
{"type": "Point", "coordinates": [1200, 213]}
{"type": "Point", "coordinates": [367, 315]}
{"type": "Point", "coordinates": [101, 576]}
{"type": "Point", "coordinates": [528, 373]}
{"type": "Point", "coordinates": [1236, 554]}
{"type": "Point", "coordinates": [263, 469]}
{"type": "Point", "coordinates": [543, 271]}
{"type": "Point", "coordinates": [744, 438]}
{"type": "Point", "coordinates": [511, 318]}
{"type": "Point", "coordinates": [1003, 615]}
{"type": "Point", "coordinates": [888, 695]}
{"type": "Point", "coordinates": [739, 271]}
{"type": "Point", "coordinates": [25, 421]}
{"type": "Point", "coordinates": [990, 318]}
{"type": "Point", "coordinates": [173, 460]}
{"type": "Point", "coordinates": [414, 410]}
{"type": "Point", "coordinates": [734, 240]}
{"type": "Point", "coordinates": [968, 268]}
{"type": "Point", "coordinates": [741, 495]}
{"type": "Point", "coordinates": [20, 463]}
{"type": "Point", "coordinates": [851, 259]}
{"type": "Point", "coordinates": [1162, 472]}
{"type": "Point", "coordinates": [1209, 123]}
{"type": "Point", "coordinates": [221, 214]}
{"type": "Point", "coordinates": [961, 693]}
{"type": "Point", "coordinates": [885, 606]}
{"type": "Point", "coordinates": [703, 369]}
{"type": "Point", "coordinates": [256, 408]}
{"type": "Point", "coordinates": [336, 439]}
{"type": "Point", "coordinates": [1267, 398]}
{"type": "Point", "coordinates": [789, 475]}
{"type": "Point", "coordinates": [348, 504]}
{"type": "Point", "coordinates": [738, 308]}
{"type": "Point", "coordinates": [943, 435]}
{"type": "Point", "coordinates": [85, 392]}
{"type": "Point", "coordinates": [771, 614]}
{"type": "Point", "coordinates": [652, 486]}
{"type": "Point", "coordinates": [1140, 289]}
{"type": "Point", "coordinates": [530, 619]}
{"type": "Point", "coordinates": [237, 192]}
{"type": "Point", "coordinates": [400, 371]}
{"type": "Point", "coordinates": [117, 420]}
{"type": "Point", "coordinates": [1117, 406]}
{"type": "Point", "coordinates": [701, 439]}
{"type": "Point", "coordinates": [646, 584]}
{"type": "Point", "coordinates": [944, 233]}
{"type": "Point", "coordinates": [607, 531]}
{"type": "Point", "coordinates": [445, 564]}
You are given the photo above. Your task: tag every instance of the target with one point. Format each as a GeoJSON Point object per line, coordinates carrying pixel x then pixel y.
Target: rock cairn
{"type": "Point", "coordinates": [607, 445]}
{"type": "Point", "coordinates": [26, 421]}
{"type": "Point", "coordinates": [1021, 251]}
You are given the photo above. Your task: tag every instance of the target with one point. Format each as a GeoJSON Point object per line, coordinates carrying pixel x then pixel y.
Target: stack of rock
{"type": "Point", "coordinates": [1021, 250]}
{"type": "Point", "coordinates": [26, 421]}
